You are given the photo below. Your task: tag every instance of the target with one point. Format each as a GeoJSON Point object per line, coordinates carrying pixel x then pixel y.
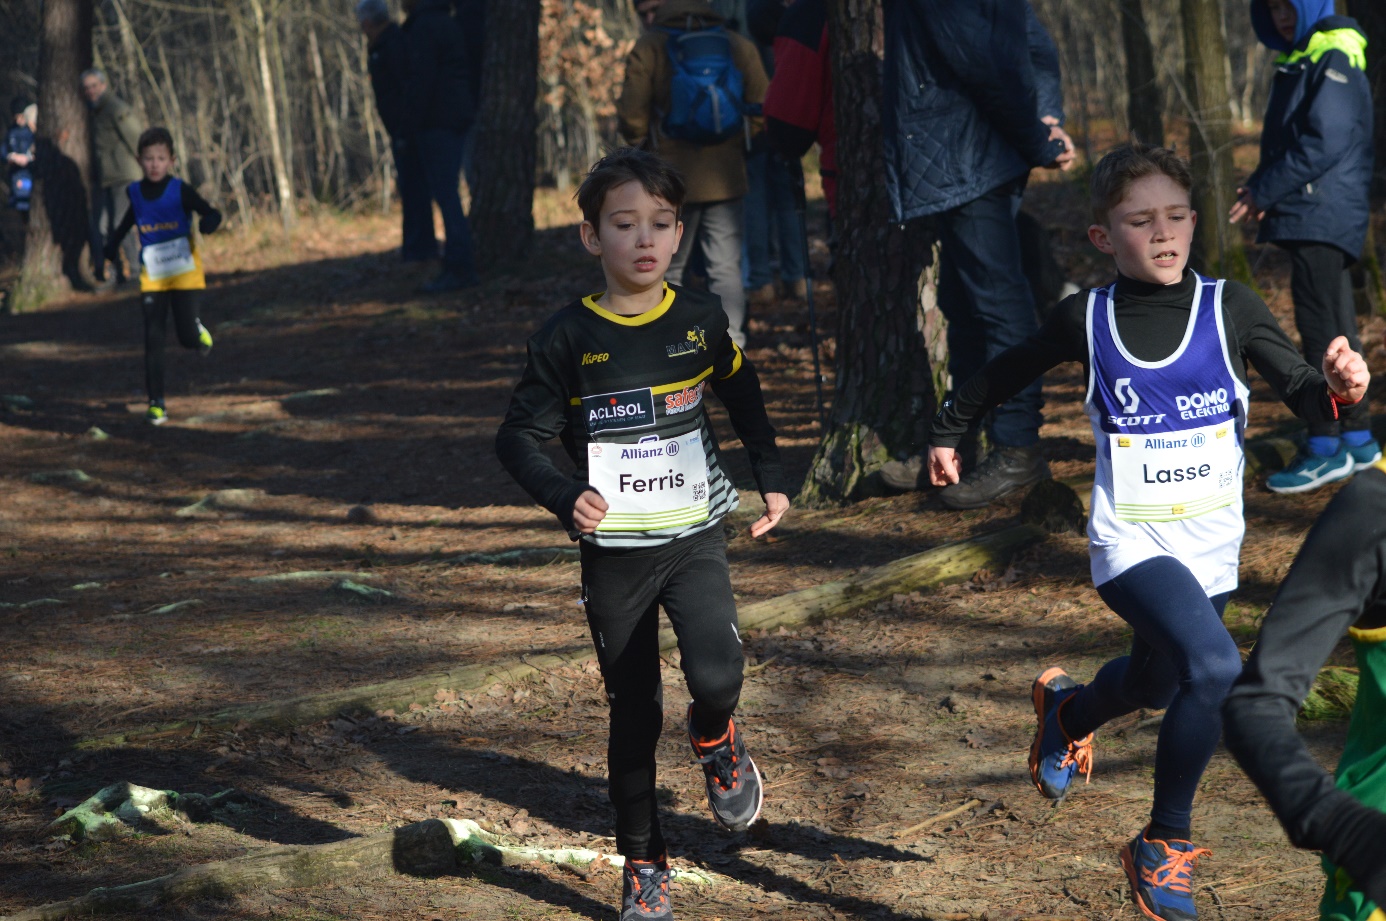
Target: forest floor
{"type": "Point", "coordinates": [332, 385]}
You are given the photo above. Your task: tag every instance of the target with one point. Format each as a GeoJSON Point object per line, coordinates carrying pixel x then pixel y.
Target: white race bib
{"type": "Point", "coordinates": [653, 484]}
{"type": "Point", "coordinates": [169, 258]}
{"type": "Point", "coordinates": [1175, 475]}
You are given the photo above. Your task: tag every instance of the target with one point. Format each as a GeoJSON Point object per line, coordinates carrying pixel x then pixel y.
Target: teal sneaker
{"type": "Point", "coordinates": [1161, 875]}
{"type": "Point", "coordinates": [155, 414]}
{"type": "Point", "coordinates": [1363, 456]}
{"type": "Point", "coordinates": [204, 339]}
{"type": "Point", "coordinates": [1310, 471]}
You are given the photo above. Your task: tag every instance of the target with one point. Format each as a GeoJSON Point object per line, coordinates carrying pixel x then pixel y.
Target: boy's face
{"type": "Point", "coordinates": [636, 239]}
{"type": "Point", "coordinates": [1150, 231]}
{"type": "Point", "coordinates": [156, 160]}
{"type": "Point", "coordinates": [1284, 17]}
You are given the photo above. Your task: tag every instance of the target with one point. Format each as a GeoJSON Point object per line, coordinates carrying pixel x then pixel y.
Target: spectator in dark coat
{"type": "Point", "coordinates": [971, 105]}
{"type": "Point", "coordinates": [799, 102]}
{"type": "Point", "coordinates": [386, 62]}
{"type": "Point", "coordinates": [439, 107]}
{"type": "Point", "coordinates": [1312, 186]}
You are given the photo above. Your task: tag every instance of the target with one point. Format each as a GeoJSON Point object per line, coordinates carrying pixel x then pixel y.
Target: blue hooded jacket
{"type": "Point", "coordinates": [1316, 147]}
{"type": "Point", "coordinates": [965, 85]}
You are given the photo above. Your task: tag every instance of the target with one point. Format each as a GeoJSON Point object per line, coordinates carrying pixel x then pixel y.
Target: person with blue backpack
{"type": "Point", "coordinates": [692, 95]}
{"type": "Point", "coordinates": [1310, 193]}
{"type": "Point", "coordinates": [19, 157]}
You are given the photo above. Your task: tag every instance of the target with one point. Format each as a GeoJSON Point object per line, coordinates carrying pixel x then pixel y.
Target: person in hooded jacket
{"type": "Point", "coordinates": [1310, 194]}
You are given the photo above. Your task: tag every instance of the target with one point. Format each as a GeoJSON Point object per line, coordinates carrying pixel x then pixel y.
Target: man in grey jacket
{"type": "Point", "coordinates": [115, 132]}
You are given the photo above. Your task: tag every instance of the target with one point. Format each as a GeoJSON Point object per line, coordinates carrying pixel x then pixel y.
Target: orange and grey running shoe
{"type": "Point", "coordinates": [645, 890]}
{"type": "Point", "coordinates": [734, 789]}
{"type": "Point", "coordinates": [1054, 757]}
{"type": "Point", "coordinates": [1161, 875]}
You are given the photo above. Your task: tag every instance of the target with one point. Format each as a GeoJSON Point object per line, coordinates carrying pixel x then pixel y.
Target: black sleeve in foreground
{"type": "Point", "coordinates": [537, 414]}
{"type": "Point", "coordinates": [1063, 337]}
{"type": "Point", "coordinates": [1261, 341]}
{"type": "Point", "coordinates": [736, 384]}
{"type": "Point", "coordinates": [1338, 573]}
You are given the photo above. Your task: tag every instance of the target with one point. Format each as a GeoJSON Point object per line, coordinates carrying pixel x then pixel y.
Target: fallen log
{"type": "Point", "coordinates": [430, 848]}
{"type": "Point", "coordinates": [127, 806]}
{"type": "Point", "coordinates": [950, 563]}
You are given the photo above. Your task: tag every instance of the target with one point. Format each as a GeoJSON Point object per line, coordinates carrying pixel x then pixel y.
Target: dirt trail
{"type": "Point", "coordinates": [124, 602]}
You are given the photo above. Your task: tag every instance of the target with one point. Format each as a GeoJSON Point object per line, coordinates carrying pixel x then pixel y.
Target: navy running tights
{"type": "Point", "coordinates": [1182, 660]}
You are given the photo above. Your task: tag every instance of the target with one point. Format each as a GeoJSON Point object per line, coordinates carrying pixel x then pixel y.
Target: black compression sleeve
{"type": "Point", "coordinates": [740, 393]}
{"type": "Point", "coordinates": [1336, 581]}
{"type": "Point", "coordinates": [126, 224]}
{"type": "Point", "coordinates": [1258, 336]}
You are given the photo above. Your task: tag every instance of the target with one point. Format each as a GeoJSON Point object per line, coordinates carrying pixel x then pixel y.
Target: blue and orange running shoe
{"type": "Point", "coordinates": [1161, 875]}
{"type": "Point", "coordinates": [1054, 757]}
{"type": "Point", "coordinates": [645, 890]}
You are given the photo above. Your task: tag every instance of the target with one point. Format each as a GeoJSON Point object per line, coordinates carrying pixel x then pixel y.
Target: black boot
{"type": "Point", "coordinates": [1002, 471]}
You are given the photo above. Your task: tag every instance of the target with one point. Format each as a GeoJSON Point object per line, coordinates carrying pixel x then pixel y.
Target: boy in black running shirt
{"type": "Point", "coordinates": [619, 377]}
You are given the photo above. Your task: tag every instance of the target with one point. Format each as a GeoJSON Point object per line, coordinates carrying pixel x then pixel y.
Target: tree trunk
{"type": "Point", "coordinates": [60, 215]}
{"type": "Point", "coordinates": [1371, 15]}
{"type": "Point", "coordinates": [884, 397]}
{"type": "Point", "coordinates": [1208, 98]}
{"type": "Point", "coordinates": [1143, 107]}
{"type": "Point", "coordinates": [282, 179]}
{"type": "Point", "coordinates": [503, 201]}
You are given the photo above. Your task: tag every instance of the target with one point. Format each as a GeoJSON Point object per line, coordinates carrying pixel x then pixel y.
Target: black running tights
{"type": "Point", "coordinates": [157, 306]}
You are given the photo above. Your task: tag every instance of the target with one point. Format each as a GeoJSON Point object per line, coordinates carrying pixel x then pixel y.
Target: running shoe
{"type": "Point", "coordinates": [734, 789]}
{"type": "Point", "coordinates": [155, 414]}
{"type": "Point", "coordinates": [1055, 759]}
{"type": "Point", "coordinates": [645, 891]}
{"type": "Point", "coordinates": [204, 339]}
{"type": "Point", "coordinates": [1364, 455]}
{"type": "Point", "coordinates": [1310, 471]}
{"type": "Point", "coordinates": [1161, 875]}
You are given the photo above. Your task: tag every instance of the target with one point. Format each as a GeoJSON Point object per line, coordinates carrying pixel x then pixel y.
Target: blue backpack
{"type": "Point", "coordinates": [707, 99]}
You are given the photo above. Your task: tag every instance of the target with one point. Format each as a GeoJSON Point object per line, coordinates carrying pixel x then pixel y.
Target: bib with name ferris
{"type": "Point", "coordinates": [654, 483]}
{"type": "Point", "coordinates": [1169, 447]}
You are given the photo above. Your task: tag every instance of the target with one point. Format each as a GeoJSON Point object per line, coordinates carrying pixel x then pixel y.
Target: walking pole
{"type": "Point", "coordinates": [801, 208]}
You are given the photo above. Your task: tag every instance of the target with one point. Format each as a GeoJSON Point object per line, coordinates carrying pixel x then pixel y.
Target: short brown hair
{"type": "Point", "coordinates": [628, 164]}
{"type": "Point", "coordinates": [1124, 164]}
{"type": "Point", "coordinates": [153, 137]}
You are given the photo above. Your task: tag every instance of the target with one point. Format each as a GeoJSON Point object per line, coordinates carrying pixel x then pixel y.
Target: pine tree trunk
{"type": "Point", "coordinates": [1143, 106]}
{"type": "Point", "coordinates": [1208, 96]}
{"type": "Point", "coordinates": [503, 201]}
{"type": "Point", "coordinates": [283, 179]}
{"type": "Point", "coordinates": [884, 396]}
{"type": "Point", "coordinates": [60, 215]}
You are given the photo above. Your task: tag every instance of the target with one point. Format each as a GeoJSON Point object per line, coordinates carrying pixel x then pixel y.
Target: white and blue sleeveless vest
{"type": "Point", "coordinates": [1169, 447]}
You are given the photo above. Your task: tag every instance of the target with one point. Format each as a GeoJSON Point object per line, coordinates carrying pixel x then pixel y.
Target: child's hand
{"type": "Point", "coordinates": [1244, 207]}
{"type": "Point", "coordinates": [589, 510]}
{"type": "Point", "coordinates": [1345, 371]}
{"type": "Point", "coordinates": [776, 504]}
{"type": "Point", "coordinates": [209, 222]}
{"type": "Point", "coordinates": [944, 467]}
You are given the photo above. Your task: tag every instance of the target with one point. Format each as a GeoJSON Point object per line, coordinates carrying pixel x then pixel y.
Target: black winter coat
{"type": "Point", "coordinates": [1316, 148]}
{"type": "Point", "coordinates": [965, 85]}
{"type": "Point", "coordinates": [441, 74]}
{"type": "Point", "coordinates": [387, 64]}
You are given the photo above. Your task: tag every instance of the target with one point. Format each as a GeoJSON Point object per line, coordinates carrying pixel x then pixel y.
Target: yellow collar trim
{"type": "Point", "coordinates": [640, 319]}
{"type": "Point", "coordinates": [1371, 635]}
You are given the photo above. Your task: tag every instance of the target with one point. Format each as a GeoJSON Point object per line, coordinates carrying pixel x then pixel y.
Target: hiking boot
{"type": "Point", "coordinates": [645, 890]}
{"type": "Point", "coordinates": [1310, 471]}
{"type": "Point", "coordinates": [1055, 758]}
{"type": "Point", "coordinates": [733, 784]}
{"type": "Point", "coordinates": [906, 475]}
{"type": "Point", "coordinates": [448, 280]}
{"type": "Point", "coordinates": [204, 339]}
{"type": "Point", "coordinates": [155, 414]}
{"type": "Point", "coordinates": [1003, 471]}
{"type": "Point", "coordinates": [1363, 455]}
{"type": "Point", "coordinates": [1161, 875]}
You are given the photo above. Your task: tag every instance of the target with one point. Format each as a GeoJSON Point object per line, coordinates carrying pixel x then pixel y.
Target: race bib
{"type": "Point", "coordinates": [1175, 475]}
{"type": "Point", "coordinates": [653, 484]}
{"type": "Point", "coordinates": [167, 259]}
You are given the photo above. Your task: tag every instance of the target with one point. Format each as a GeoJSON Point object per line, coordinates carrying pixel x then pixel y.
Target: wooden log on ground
{"type": "Point", "coordinates": [422, 849]}
{"type": "Point", "coordinates": [950, 563]}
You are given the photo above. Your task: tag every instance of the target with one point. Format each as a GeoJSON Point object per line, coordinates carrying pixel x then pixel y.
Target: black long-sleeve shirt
{"type": "Point", "coordinates": [1337, 581]}
{"type": "Point", "coordinates": [193, 203]}
{"type": "Point", "coordinates": [660, 362]}
{"type": "Point", "coordinates": [1151, 320]}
